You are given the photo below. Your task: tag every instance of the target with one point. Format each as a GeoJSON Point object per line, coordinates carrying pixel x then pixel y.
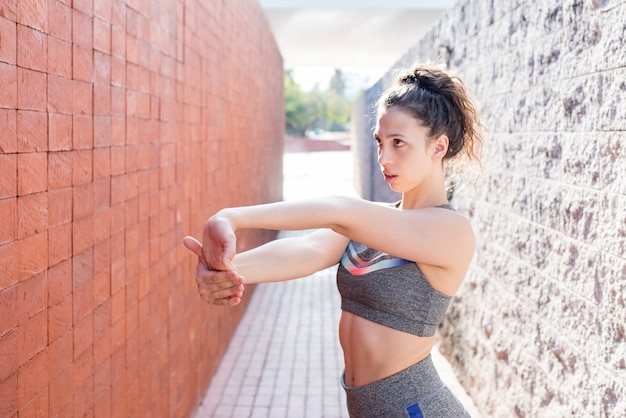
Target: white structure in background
{"type": "Point", "coordinates": [357, 36]}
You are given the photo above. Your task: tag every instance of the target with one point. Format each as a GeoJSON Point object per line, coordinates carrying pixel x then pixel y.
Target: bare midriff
{"type": "Point", "coordinates": [373, 351]}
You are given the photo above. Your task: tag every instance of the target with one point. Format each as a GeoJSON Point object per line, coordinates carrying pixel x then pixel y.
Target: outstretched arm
{"type": "Point", "coordinates": [439, 238]}
{"type": "Point", "coordinates": [291, 258]}
{"type": "Point", "coordinates": [278, 260]}
{"type": "Point", "coordinates": [428, 235]}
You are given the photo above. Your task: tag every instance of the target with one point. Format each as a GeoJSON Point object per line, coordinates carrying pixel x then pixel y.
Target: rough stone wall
{"type": "Point", "coordinates": [538, 329]}
{"type": "Point", "coordinates": [123, 125]}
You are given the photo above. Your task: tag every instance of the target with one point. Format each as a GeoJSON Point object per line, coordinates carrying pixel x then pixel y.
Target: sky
{"type": "Point", "coordinates": [364, 37]}
{"type": "Point", "coordinates": [311, 77]}
{"type": "Point", "coordinates": [356, 4]}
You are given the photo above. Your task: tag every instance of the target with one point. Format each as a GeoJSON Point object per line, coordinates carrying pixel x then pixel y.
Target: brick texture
{"type": "Point", "coordinates": [538, 327]}
{"type": "Point", "coordinates": [123, 128]}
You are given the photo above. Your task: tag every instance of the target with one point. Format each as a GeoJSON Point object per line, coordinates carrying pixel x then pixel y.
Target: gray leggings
{"type": "Point", "coordinates": [415, 392]}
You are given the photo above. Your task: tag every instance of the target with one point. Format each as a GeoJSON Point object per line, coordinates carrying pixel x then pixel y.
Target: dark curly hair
{"type": "Point", "coordinates": [440, 101]}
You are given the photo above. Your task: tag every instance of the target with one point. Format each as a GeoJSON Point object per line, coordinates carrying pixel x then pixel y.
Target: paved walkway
{"type": "Point", "coordinates": [285, 360]}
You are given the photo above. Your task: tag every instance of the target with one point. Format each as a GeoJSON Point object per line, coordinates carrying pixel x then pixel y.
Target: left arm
{"type": "Point", "coordinates": [433, 236]}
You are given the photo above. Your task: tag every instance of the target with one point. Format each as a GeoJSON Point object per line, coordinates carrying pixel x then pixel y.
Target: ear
{"type": "Point", "coordinates": [440, 147]}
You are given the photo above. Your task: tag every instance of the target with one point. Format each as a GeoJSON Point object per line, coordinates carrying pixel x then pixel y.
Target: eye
{"type": "Point", "coordinates": [398, 142]}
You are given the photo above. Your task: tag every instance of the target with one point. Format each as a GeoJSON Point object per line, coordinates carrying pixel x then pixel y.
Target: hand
{"type": "Point", "coordinates": [219, 243]}
{"type": "Point", "coordinates": [215, 287]}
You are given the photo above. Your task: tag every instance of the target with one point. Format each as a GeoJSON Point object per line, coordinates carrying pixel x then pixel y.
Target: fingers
{"type": "Point", "coordinates": [195, 247]}
{"type": "Point", "coordinates": [228, 296]}
{"type": "Point", "coordinates": [234, 300]}
{"type": "Point", "coordinates": [215, 287]}
{"type": "Point", "coordinates": [219, 287]}
{"type": "Point", "coordinates": [224, 283]}
{"type": "Point", "coordinates": [221, 296]}
{"type": "Point", "coordinates": [217, 281]}
{"type": "Point", "coordinates": [231, 301]}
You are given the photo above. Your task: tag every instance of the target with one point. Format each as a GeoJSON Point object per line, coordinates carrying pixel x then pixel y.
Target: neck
{"type": "Point", "coordinates": [430, 193]}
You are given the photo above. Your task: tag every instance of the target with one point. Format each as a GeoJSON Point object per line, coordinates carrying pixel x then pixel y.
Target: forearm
{"type": "Point", "coordinates": [219, 239]}
{"type": "Point", "coordinates": [273, 262]}
{"type": "Point", "coordinates": [326, 212]}
{"type": "Point", "coordinates": [290, 258]}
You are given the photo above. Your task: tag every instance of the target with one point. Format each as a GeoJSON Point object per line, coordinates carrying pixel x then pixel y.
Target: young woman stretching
{"type": "Point", "coordinates": [399, 264]}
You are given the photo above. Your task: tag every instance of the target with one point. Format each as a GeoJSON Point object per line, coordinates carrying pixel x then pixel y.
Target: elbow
{"type": "Point", "coordinates": [343, 209]}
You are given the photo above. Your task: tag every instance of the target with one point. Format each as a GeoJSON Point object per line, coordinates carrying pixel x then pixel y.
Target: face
{"type": "Point", "coordinates": [407, 157]}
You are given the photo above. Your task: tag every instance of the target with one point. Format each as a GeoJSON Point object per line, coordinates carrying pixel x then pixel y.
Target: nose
{"type": "Point", "coordinates": [384, 155]}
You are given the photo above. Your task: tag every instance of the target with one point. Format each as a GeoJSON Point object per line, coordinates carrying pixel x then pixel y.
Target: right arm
{"type": "Point", "coordinates": [277, 260]}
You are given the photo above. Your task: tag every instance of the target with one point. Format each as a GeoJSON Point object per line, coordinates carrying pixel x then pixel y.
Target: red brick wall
{"type": "Point", "coordinates": [123, 125]}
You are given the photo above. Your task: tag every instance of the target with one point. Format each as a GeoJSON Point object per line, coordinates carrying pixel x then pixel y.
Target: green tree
{"type": "Point", "coordinates": [337, 112]}
{"type": "Point", "coordinates": [296, 118]}
{"type": "Point", "coordinates": [337, 83]}
{"type": "Point", "coordinates": [328, 110]}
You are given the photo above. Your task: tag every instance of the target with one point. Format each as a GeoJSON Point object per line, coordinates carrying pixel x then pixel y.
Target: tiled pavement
{"type": "Point", "coordinates": [285, 360]}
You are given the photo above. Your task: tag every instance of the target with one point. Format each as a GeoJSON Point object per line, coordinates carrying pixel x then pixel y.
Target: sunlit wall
{"type": "Point", "coordinates": [538, 328]}
{"type": "Point", "coordinates": [123, 125]}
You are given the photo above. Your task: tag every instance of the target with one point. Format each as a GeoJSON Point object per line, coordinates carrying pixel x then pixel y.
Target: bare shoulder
{"type": "Point", "coordinates": [434, 235]}
{"type": "Point", "coordinates": [452, 245]}
{"type": "Point", "coordinates": [449, 226]}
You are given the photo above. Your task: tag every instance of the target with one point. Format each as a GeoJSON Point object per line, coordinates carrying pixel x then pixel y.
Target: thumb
{"type": "Point", "coordinates": [195, 247]}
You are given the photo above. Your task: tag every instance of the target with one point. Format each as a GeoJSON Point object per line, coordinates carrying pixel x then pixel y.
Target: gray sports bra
{"type": "Point", "coordinates": [390, 291]}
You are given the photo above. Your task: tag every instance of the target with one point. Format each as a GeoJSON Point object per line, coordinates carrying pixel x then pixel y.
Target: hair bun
{"type": "Point", "coordinates": [411, 78]}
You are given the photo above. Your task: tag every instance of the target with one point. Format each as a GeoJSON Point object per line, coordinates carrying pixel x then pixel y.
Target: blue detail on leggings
{"type": "Point", "coordinates": [414, 411]}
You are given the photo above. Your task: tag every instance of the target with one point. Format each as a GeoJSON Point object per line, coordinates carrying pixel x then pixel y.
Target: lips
{"type": "Point", "coordinates": [389, 178]}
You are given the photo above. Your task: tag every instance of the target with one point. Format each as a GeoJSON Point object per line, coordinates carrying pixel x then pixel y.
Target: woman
{"type": "Point", "coordinates": [399, 264]}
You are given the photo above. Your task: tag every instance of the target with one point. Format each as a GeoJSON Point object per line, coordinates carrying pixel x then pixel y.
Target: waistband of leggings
{"type": "Point", "coordinates": [419, 379]}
